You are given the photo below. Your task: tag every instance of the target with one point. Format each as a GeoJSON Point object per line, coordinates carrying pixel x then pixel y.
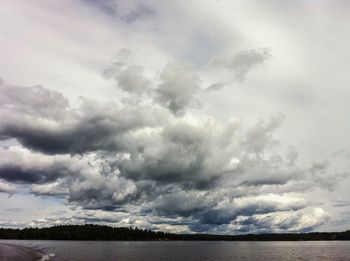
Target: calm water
{"type": "Point", "coordinates": [194, 250]}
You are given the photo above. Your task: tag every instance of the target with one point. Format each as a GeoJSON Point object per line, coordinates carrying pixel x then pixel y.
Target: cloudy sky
{"type": "Point", "coordinates": [217, 116]}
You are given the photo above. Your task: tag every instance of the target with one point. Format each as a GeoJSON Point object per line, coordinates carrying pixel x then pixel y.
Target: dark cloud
{"type": "Point", "coordinates": [181, 203]}
{"type": "Point", "coordinates": [157, 164]}
{"type": "Point", "coordinates": [151, 158]}
{"type": "Point", "coordinates": [49, 127]}
{"type": "Point", "coordinates": [179, 153]}
{"type": "Point", "coordinates": [106, 192]}
{"type": "Point", "coordinates": [21, 166]}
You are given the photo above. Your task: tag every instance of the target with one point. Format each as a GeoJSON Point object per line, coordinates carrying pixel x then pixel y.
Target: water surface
{"type": "Point", "coordinates": [187, 250]}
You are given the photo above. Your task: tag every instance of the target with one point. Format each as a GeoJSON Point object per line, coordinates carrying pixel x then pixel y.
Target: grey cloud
{"type": "Point", "coordinates": [182, 153]}
{"type": "Point", "coordinates": [260, 137]}
{"type": "Point", "coordinates": [44, 126]}
{"type": "Point", "coordinates": [181, 203]}
{"type": "Point", "coordinates": [157, 154]}
{"type": "Point", "coordinates": [92, 216]}
{"type": "Point", "coordinates": [250, 206]}
{"type": "Point", "coordinates": [129, 77]}
{"type": "Point", "coordinates": [341, 153]}
{"type": "Point", "coordinates": [319, 166]}
{"type": "Point", "coordinates": [78, 217]}
{"type": "Point", "coordinates": [325, 175]}
{"type": "Point", "coordinates": [216, 86]}
{"type": "Point", "coordinates": [150, 144]}
{"type": "Point", "coordinates": [12, 224]}
{"type": "Point", "coordinates": [304, 220]}
{"type": "Point", "coordinates": [242, 62]}
{"type": "Point", "coordinates": [131, 80]}
{"type": "Point", "coordinates": [292, 156]}
{"type": "Point", "coordinates": [20, 165]}
{"type": "Point", "coordinates": [239, 65]}
{"type": "Point", "coordinates": [274, 171]}
{"type": "Point", "coordinates": [29, 101]}
{"type": "Point", "coordinates": [338, 203]}
{"type": "Point", "coordinates": [85, 182]}
{"type": "Point", "coordinates": [177, 85]}
{"type": "Point", "coordinates": [106, 192]}
{"type": "Point", "coordinates": [49, 189]}
{"type": "Point", "coordinates": [215, 209]}
{"type": "Point", "coordinates": [116, 157]}
{"type": "Point", "coordinates": [14, 210]}
{"type": "Point", "coordinates": [126, 11]}
{"type": "Point", "coordinates": [6, 187]}
{"type": "Point", "coordinates": [177, 88]}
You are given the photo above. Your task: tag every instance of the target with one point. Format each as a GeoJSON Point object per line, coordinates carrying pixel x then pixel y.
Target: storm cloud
{"type": "Point", "coordinates": [181, 116]}
{"type": "Point", "coordinates": [116, 156]}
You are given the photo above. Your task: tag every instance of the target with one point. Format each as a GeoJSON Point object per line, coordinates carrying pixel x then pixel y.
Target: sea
{"type": "Point", "coordinates": [18, 250]}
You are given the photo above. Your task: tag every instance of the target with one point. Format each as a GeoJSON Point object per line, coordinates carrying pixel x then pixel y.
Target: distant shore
{"type": "Point", "coordinates": [99, 232]}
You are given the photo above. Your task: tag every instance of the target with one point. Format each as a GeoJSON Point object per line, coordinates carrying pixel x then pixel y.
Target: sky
{"type": "Point", "coordinates": [216, 116]}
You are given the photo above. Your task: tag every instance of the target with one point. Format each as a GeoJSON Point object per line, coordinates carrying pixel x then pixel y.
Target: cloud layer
{"type": "Point", "coordinates": [182, 116]}
{"type": "Point", "coordinates": [192, 170]}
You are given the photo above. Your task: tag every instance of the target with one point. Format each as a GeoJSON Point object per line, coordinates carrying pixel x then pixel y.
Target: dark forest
{"type": "Point", "coordinates": [99, 232]}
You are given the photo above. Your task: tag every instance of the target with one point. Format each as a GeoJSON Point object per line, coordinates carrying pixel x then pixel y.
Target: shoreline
{"type": "Point", "coordinates": [171, 240]}
{"type": "Point", "coordinates": [92, 232]}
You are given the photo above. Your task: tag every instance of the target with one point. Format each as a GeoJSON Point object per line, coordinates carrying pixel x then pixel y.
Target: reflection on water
{"type": "Point", "coordinates": [189, 250]}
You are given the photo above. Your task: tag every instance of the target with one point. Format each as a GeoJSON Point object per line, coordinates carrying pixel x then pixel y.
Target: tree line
{"type": "Point", "coordinates": [100, 232]}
